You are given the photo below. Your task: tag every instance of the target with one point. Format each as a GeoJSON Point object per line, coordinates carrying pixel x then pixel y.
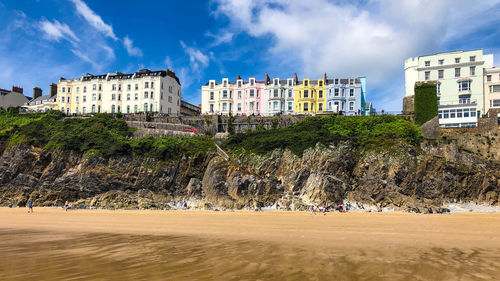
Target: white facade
{"type": "Point", "coordinates": [143, 91]}
{"type": "Point", "coordinates": [279, 96]}
{"type": "Point", "coordinates": [459, 77]}
{"type": "Point", "coordinates": [491, 88]}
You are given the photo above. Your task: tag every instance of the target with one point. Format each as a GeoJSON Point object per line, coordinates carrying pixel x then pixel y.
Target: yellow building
{"type": "Point", "coordinates": [68, 96]}
{"type": "Point", "coordinates": [310, 96]}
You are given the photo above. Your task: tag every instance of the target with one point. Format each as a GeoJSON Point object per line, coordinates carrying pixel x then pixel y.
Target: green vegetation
{"type": "Point", "coordinates": [101, 134]}
{"type": "Point", "coordinates": [426, 105]}
{"type": "Point", "coordinates": [361, 131]}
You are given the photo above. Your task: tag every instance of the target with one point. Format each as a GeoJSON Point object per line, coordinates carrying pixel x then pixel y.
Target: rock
{"type": "Point", "coordinates": [430, 129]}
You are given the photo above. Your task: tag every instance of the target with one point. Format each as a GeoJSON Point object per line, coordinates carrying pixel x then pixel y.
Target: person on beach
{"type": "Point", "coordinates": [30, 207]}
{"type": "Point", "coordinates": [324, 210]}
{"type": "Point", "coordinates": [313, 210]}
{"type": "Point", "coordinates": [66, 206]}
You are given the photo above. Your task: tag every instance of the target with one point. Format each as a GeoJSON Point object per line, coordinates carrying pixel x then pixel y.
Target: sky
{"type": "Point", "coordinates": [43, 40]}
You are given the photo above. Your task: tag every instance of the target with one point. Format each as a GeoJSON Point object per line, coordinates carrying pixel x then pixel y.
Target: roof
{"type": "Point", "coordinates": [41, 99]}
{"type": "Point", "coordinates": [119, 75]}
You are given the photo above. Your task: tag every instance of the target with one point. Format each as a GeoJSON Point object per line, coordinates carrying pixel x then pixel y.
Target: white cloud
{"type": "Point", "coordinates": [131, 50]}
{"type": "Point", "coordinates": [343, 38]}
{"type": "Point", "coordinates": [197, 59]}
{"type": "Point", "coordinates": [168, 62]}
{"type": "Point", "coordinates": [85, 58]}
{"type": "Point", "coordinates": [56, 31]}
{"type": "Point", "coordinates": [94, 19]}
{"type": "Point", "coordinates": [220, 38]}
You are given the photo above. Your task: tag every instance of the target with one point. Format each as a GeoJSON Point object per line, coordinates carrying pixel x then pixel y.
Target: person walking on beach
{"type": "Point", "coordinates": [66, 206]}
{"type": "Point", "coordinates": [313, 210]}
{"type": "Point", "coordinates": [30, 206]}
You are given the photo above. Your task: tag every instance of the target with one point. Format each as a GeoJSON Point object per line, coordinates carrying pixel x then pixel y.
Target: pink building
{"type": "Point", "coordinates": [247, 97]}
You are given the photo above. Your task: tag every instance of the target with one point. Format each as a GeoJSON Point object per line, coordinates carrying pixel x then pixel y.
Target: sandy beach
{"type": "Point", "coordinates": [52, 244]}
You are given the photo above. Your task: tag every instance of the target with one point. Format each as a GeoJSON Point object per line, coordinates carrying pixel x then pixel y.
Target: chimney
{"type": "Point", "coordinates": [325, 78]}
{"type": "Point", "coordinates": [37, 92]}
{"type": "Point", "coordinates": [17, 89]}
{"type": "Point", "coordinates": [239, 77]}
{"type": "Point", "coordinates": [267, 79]}
{"type": "Point", "coordinates": [53, 89]}
{"type": "Point", "coordinates": [295, 79]}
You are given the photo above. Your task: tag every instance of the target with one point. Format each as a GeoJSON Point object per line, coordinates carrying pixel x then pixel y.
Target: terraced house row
{"type": "Point", "coordinates": [285, 96]}
{"type": "Point", "coordinates": [142, 91]}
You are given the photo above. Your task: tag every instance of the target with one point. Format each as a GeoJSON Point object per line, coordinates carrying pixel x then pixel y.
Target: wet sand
{"type": "Point", "coordinates": [200, 245]}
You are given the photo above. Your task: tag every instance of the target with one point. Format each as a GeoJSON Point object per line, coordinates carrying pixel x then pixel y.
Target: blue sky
{"type": "Point", "coordinates": [41, 41]}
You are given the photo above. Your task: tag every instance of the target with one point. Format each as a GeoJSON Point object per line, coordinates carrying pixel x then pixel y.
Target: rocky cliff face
{"type": "Point", "coordinates": [400, 178]}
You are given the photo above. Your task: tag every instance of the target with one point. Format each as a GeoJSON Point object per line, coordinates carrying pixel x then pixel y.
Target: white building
{"type": "Point", "coordinates": [278, 96]}
{"type": "Point", "coordinates": [459, 77]}
{"type": "Point", "coordinates": [491, 88]}
{"type": "Point", "coordinates": [142, 91]}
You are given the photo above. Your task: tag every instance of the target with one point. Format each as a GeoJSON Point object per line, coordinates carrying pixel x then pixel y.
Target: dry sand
{"type": "Point", "coordinates": [52, 244]}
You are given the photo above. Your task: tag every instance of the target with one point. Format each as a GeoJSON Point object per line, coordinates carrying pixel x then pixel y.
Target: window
{"type": "Point", "coordinates": [306, 83]}
{"type": "Point", "coordinates": [427, 75]}
{"type": "Point", "coordinates": [113, 87]}
{"type": "Point", "coordinates": [459, 113]}
{"type": "Point", "coordinates": [63, 89]}
{"type": "Point", "coordinates": [136, 96]}
{"type": "Point", "coordinates": [152, 95]}
{"type": "Point", "coordinates": [113, 108]}
{"type": "Point", "coordinates": [275, 82]}
{"type": "Point", "coordinates": [351, 106]}
{"type": "Point", "coordinates": [224, 94]}
{"type": "Point", "coordinates": [251, 105]}
{"type": "Point", "coordinates": [464, 99]}
{"type": "Point", "coordinates": [488, 78]}
{"type": "Point", "coordinates": [446, 114]}
{"type": "Point", "coordinates": [351, 92]}
{"type": "Point", "coordinates": [441, 62]}
{"type": "Point", "coordinates": [113, 96]}
{"type": "Point", "coordinates": [128, 87]}
{"type": "Point", "coordinates": [146, 107]}
{"type": "Point", "coordinates": [239, 106]}
{"type": "Point", "coordinates": [69, 89]}
{"type": "Point", "coordinates": [84, 110]}
{"type": "Point", "coordinates": [84, 98]}
{"type": "Point", "coordinates": [336, 92]}
{"type": "Point", "coordinates": [453, 112]}
{"type": "Point", "coordinates": [336, 81]}
{"type": "Point", "coordinates": [239, 94]}
{"type": "Point", "coordinates": [321, 83]}
{"type": "Point", "coordinates": [252, 82]}
{"type": "Point", "coordinates": [224, 107]}
{"type": "Point", "coordinates": [119, 96]}
{"type": "Point", "coordinates": [306, 106]}
{"type": "Point", "coordinates": [93, 108]}
{"type": "Point", "coordinates": [275, 105]}
{"type": "Point", "coordinates": [77, 99]}
{"type": "Point", "coordinates": [62, 99]}
{"type": "Point", "coordinates": [466, 112]}
{"type": "Point", "coordinates": [152, 84]}
{"type": "Point", "coordinates": [457, 60]}
{"type": "Point", "coordinates": [457, 72]}
{"type": "Point", "coordinates": [343, 92]}
{"type": "Point", "coordinates": [135, 108]}
{"type": "Point", "coordinates": [495, 89]}
{"type": "Point", "coordinates": [464, 85]}
{"type": "Point", "coordinates": [161, 95]}
{"type": "Point", "coordinates": [428, 63]}
{"type": "Point", "coordinates": [119, 87]}
{"type": "Point", "coordinates": [320, 94]}
{"type": "Point", "coordinates": [94, 87]}
{"type": "Point", "coordinates": [67, 99]}
{"type": "Point", "coordinates": [169, 99]}
{"type": "Point", "coordinates": [239, 84]}
{"type": "Point", "coordinates": [251, 93]}
{"type": "Point", "coordinates": [494, 103]}
{"type": "Point", "coordinates": [146, 95]}
{"type": "Point", "coordinates": [170, 89]}
{"type": "Point", "coordinates": [128, 96]}
{"type": "Point", "coordinates": [128, 108]}
{"type": "Point", "coordinates": [472, 71]}
{"type": "Point", "coordinates": [289, 83]}
{"type": "Point", "coordinates": [170, 110]}
{"type": "Point", "coordinates": [100, 87]}
{"type": "Point", "coordinates": [290, 93]}
{"type": "Point", "coordinates": [440, 74]}
{"type": "Point", "coordinates": [77, 89]}
{"type": "Point", "coordinates": [472, 58]}
{"type": "Point", "coordinates": [275, 93]}
{"type": "Point", "coordinates": [438, 88]}
{"type": "Point", "coordinates": [289, 106]}
{"type": "Point", "coordinates": [146, 85]}
{"type": "Point", "coordinates": [211, 95]}
{"type": "Point", "coordinates": [351, 81]}
{"type": "Point", "coordinates": [93, 96]}
{"type": "Point", "coordinates": [320, 106]}
{"type": "Point", "coordinates": [84, 89]}
{"type": "Point", "coordinates": [136, 87]}
{"type": "Point", "coordinates": [99, 97]}
{"type": "Point", "coordinates": [306, 93]}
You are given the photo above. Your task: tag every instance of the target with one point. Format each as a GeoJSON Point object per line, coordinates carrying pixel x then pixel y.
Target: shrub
{"type": "Point", "coordinates": [426, 106]}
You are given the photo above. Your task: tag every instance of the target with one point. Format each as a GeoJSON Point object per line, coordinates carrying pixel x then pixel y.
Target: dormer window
{"type": "Point", "coordinates": [225, 83]}
{"type": "Point", "coordinates": [239, 84]}
{"type": "Point", "coordinates": [252, 82]}
{"type": "Point", "coordinates": [336, 81]}
{"type": "Point", "coordinates": [306, 83]}
{"type": "Point", "coordinates": [351, 81]}
{"type": "Point", "coordinates": [321, 83]}
{"type": "Point", "coordinates": [211, 85]}
{"type": "Point", "coordinates": [472, 58]}
{"type": "Point", "coordinates": [275, 82]}
{"type": "Point", "coordinates": [457, 60]}
{"type": "Point", "coordinates": [289, 82]}
{"type": "Point", "coordinates": [428, 63]}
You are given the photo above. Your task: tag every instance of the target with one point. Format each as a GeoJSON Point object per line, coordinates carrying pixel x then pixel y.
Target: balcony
{"type": "Point", "coordinates": [457, 103]}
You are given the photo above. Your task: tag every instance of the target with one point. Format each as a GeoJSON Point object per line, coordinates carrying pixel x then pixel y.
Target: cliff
{"type": "Point", "coordinates": [402, 177]}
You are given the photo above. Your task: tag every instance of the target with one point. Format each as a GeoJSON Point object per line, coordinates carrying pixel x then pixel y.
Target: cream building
{"type": "Point", "coordinates": [459, 77]}
{"type": "Point", "coordinates": [491, 88]}
{"type": "Point", "coordinates": [42, 104]}
{"type": "Point", "coordinates": [142, 91]}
